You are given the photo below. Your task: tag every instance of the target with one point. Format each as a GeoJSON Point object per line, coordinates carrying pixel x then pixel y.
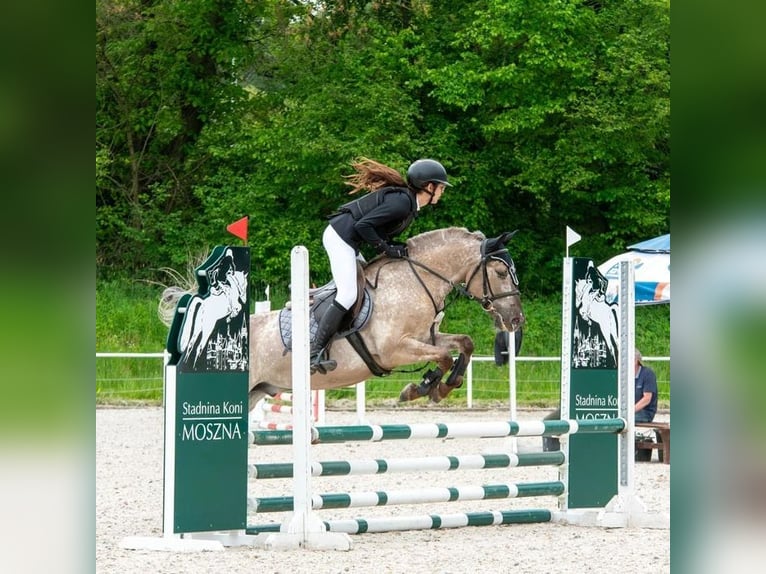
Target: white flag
{"type": "Point", "coordinates": [267, 292]}
{"type": "Point", "coordinates": [572, 236]}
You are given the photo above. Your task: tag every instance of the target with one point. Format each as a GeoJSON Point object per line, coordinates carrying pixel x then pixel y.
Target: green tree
{"type": "Point", "coordinates": [565, 113]}
{"type": "Point", "coordinates": [166, 73]}
{"type": "Point", "coordinates": [545, 114]}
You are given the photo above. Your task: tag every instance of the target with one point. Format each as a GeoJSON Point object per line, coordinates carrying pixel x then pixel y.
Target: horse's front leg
{"type": "Point", "coordinates": [413, 351]}
{"type": "Point", "coordinates": [463, 344]}
{"type": "Point", "coordinates": [432, 384]}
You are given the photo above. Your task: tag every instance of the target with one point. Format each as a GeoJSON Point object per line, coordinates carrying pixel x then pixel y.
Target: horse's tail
{"type": "Point", "coordinates": [166, 307]}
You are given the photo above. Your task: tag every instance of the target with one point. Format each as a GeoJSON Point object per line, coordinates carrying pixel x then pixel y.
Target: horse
{"type": "Point", "coordinates": [224, 301]}
{"type": "Point", "coordinates": [596, 331]}
{"type": "Point", "coordinates": [408, 301]}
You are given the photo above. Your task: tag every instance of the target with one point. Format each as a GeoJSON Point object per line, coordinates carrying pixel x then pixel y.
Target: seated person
{"type": "Point", "coordinates": [646, 391]}
{"type": "Point", "coordinates": [645, 400]}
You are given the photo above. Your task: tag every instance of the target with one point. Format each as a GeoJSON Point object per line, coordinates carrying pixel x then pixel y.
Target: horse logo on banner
{"type": "Point", "coordinates": [595, 335]}
{"type": "Point", "coordinates": [214, 328]}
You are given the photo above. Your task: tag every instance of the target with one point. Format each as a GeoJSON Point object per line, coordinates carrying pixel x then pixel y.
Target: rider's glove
{"type": "Point", "coordinates": [396, 251]}
{"type": "Point", "coordinates": [393, 250]}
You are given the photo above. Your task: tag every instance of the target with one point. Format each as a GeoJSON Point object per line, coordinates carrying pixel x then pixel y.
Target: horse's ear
{"type": "Point", "coordinates": [506, 237]}
{"type": "Point", "coordinates": [496, 243]}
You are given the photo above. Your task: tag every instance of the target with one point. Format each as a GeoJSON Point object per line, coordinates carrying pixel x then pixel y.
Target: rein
{"type": "Point", "coordinates": [462, 290]}
{"type": "Point", "coordinates": [488, 296]}
{"type": "Point", "coordinates": [412, 264]}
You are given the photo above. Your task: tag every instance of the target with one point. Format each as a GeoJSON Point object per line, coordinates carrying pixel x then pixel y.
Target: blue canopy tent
{"type": "Point", "coordinates": [651, 264]}
{"type": "Point", "coordinates": [659, 244]}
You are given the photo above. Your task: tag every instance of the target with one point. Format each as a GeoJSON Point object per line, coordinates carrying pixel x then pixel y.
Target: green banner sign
{"type": "Point", "coordinates": [208, 368]}
{"type": "Point", "coordinates": [211, 452]}
{"type": "Point", "coordinates": [590, 355]}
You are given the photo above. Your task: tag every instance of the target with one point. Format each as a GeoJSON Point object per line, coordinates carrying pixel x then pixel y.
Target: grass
{"type": "Point", "coordinates": [126, 321]}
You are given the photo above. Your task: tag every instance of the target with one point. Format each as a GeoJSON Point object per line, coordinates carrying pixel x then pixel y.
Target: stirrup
{"type": "Point", "coordinates": [323, 366]}
{"type": "Point", "coordinates": [321, 363]}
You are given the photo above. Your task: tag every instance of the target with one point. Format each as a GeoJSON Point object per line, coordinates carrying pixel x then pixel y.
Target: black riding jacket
{"type": "Point", "coordinates": [376, 217]}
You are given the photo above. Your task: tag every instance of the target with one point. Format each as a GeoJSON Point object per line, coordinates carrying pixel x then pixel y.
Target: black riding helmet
{"type": "Point", "coordinates": [424, 171]}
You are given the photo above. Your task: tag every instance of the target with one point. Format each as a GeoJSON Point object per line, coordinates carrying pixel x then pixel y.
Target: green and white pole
{"type": "Point", "coordinates": [425, 521]}
{"type": "Point", "coordinates": [424, 495]}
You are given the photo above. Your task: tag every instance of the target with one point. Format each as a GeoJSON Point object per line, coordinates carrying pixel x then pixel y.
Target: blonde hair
{"type": "Point", "coordinates": [372, 175]}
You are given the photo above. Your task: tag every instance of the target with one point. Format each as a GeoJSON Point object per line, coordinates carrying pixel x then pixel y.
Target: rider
{"type": "Point", "coordinates": [375, 218]}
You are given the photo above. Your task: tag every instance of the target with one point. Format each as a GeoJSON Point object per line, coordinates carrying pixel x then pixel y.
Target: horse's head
{"type": "Point", "coordinates": [494, 283]}
{"type": "Point", "coordinates": [590, 291]}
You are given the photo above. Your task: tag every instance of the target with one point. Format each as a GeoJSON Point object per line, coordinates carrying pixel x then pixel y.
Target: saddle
{"type": "Point", "coordinates": [320, 298]}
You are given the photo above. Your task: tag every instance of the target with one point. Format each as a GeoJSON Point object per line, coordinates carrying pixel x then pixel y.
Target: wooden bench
{"type": "Point", "coordinates": [662, 430]}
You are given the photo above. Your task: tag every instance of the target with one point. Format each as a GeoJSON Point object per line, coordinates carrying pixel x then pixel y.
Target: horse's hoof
{"type": "Point", "coordinates": [317, 367]}
{"type": "Point", "coordinates": [409, 393]}
{"type": "Point", "coordinates": [330, 365]}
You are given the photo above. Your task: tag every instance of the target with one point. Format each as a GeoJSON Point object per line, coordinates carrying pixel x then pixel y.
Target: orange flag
{"type": "Point", "coordinates": [239, 228]}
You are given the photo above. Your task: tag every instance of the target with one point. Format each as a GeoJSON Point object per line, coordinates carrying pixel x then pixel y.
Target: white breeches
{"type": "Point", "coordinates": [343, 266]}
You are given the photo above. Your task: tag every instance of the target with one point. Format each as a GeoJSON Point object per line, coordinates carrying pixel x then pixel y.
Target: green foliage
{"type": "Point", "coordinates": [653, 330]}
{"type": "Point", "coordinates": [164, 72]}
{"type": "Point", "coordinates": [126, 317]}
{"type": "Point", "coordinates": [565, 116]}
{"type": "Point", "coordinates": [545, 115]}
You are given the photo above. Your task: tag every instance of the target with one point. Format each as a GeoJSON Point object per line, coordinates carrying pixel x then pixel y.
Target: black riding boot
{"type": "Point", "coordinates": [328, 326]}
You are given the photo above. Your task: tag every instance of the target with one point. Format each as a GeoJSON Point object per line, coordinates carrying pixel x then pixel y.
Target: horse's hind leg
{"type": "Point", "coordinates": [259, 391]}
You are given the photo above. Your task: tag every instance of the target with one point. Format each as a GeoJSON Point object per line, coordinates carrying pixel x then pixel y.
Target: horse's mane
{"type": "Point", "coordinates": [440, 236]}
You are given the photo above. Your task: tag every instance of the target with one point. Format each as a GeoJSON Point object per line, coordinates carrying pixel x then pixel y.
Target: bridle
{"type": "Point", "coordinates": [488, 296]}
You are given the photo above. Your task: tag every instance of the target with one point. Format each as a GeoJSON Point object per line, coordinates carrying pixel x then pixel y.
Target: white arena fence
{"type": "Point", "coordinates": [509, 373]}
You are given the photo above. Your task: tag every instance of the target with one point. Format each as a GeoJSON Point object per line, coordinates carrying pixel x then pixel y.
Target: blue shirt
{"type": "Point", "coordinates": [646, 382]}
